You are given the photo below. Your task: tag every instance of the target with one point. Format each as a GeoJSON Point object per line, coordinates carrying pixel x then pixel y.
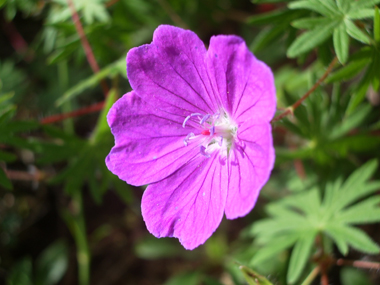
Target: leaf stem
{"type": "Point", "coordinates": [358, 263]}
{"type": "Point", "coordinates": [290, 110]}
{"type": "Point", "coordinates": [86, 110]}
{"type": "Point", "coordinates": [86, 45]}
{"type": "Point", "coordinates": [76, 224]}
{"type": "Point", "coordinates": [314, 273]}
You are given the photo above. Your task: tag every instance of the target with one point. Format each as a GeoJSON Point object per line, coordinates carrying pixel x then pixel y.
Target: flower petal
{"type": "Point", "coordinates": [170, 73]}
{"type": "Point", "coordinates": [245, 84]}
{"type": "Point", "coordinates": [189, 204]}
{"type": "Point", "coordinates": [148, 143]}
{"type": "Point", "coordinates": [250, 165]}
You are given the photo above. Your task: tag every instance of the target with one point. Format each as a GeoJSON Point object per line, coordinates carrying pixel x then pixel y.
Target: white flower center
{"type": "Point", "coordinates": [216, 132]}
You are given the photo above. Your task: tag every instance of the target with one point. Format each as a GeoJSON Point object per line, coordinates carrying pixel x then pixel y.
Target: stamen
{"type": "Point", "coordinates": [188, 137]}
{"type": "Point", "coordinates": [203, 151]}
{"type": "Point", "coordinates": [221, 141]}
{"type": "Point", "coordinates": [212, 131]}
{"type": "Point", "coordinates": [204, 119]}
{"type": "Point", "coordinates": [188, 118]}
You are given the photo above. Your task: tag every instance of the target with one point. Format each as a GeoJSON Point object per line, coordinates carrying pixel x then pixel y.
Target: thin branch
{"type": "Point", "coordinates": [17, 41]}
{"type": "Point", "coordinates": [111, 2]}
{"type": "Point", "coordinates": [324, 279]}
{"type": "Point", "coordinates": [86, 45]}
{"type": "Point", "coordinates": [310, 278]}
{"type": "Point", "coordinates": [60, 117]}
{"type": "Point", "coordinates": [291, 109]}
{"type": "Point", "coordinates": [358, 263]}
{"type": "Point", "coordinates": [35, 175]}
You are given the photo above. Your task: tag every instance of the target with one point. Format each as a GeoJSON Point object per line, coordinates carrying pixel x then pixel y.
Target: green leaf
{"type": "Point", "coordinates": [4, 181]}
{"type": "Point", "coordinates": [357, 143]}
{"type": "Point", "coordinates": [21, 273]}
{"type": "Point", "coordinates": [268, 18]}
{"type": "Point", "coordinates": [357, 239]}
{"type": "Point", "coordinates": [338, 238]}
{"type": "Point", "coordinates": [311, 39]}
{"type": "Point", "coordinates": [93, 9]}
{"type": "Point", "coordinates": [118, 67]}
{"type": "Point", "coordinates": [359, 176]}
{"type": "Point", "coordinates": [324, 7]}
{"type": "Point", "coordinates": [354, 276]}
{"type": "Point", "coordinates": [343, 5]}
{"type": "Point", "coordinates": [102, 127]}
{"type": "Point", "coordinates": [364, 212]}
{"type": "Point", "coordinates": [252, 277]}
{"type": "Point", "coordinates": [350, 122]}
{"type": "Point", "coordinates": [361, 90]}
{"type": "Point", "coordinates": [52, 263]}
{"type": "Point", "coordinates": [7, 157]}
{"type": "Point", "coordinates": [186, 278]}
{"type": "Point", "coordinates": [267, 36]}
{"type": "Point", "coordinates": [376, 25]}
{"type": "Point", "coordinates": [275, 246]}
{"type": "Point", "coordinates": [309, 23]}
{"type": "Point", "coordinates": [356, 5]}
{"type": "Point", "coordinates": [152, 248]}
{"type": "Point", "coordinates": [361, 14]}
{"type": "Point", "coordinates": [341, 43]}
{"type": "Point", "coordinates": [349, 71]}
{"type": "Point", "coordinates": [299, 257]}
{"type": "Point", "coordinates": [355, 32]}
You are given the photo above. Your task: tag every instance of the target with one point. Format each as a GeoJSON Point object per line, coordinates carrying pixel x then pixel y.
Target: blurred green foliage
{"type": "Point", "coordinates": [57, 196]}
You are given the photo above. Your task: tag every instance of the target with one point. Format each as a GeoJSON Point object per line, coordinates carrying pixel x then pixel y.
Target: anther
{"type": "Point", "coordinates": [188, 118]}
{"type": "Point", "coordinates": [204, 119]}
{"type": "Point", "coordinates": [203, 151]}
{"type": "Point", "coordinates": [185, 141]}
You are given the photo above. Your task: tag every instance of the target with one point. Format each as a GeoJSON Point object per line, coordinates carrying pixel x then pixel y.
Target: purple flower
{"type": "Point", "coordinates": [196, 128]}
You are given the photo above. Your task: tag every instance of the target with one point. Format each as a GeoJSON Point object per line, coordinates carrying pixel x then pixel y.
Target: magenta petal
{"type": "Point", "coordinates": [245, 84]}
{"type": "Point", "coordinates": [148, 143]}
{"type": "Point", "coordinates": [249, 167]}
{"type": "Point", "coordinates": [189, 204]}
{"type": "Point", "coordinates": [170, 73]}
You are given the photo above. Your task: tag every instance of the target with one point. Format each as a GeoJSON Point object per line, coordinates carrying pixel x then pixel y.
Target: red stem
{"type": "Point", "coordinates": [16, 40]}
{"type": "Point", "coordinates": [25, 176]}
{"type": "Point", "coordinates": [291, 109]}
{"type": "Point", "coordinates": [60, 117]}
{"type": "Point", "coordinates": [358, 263]}
{"type": "Point", "coordinates": [86, 46]}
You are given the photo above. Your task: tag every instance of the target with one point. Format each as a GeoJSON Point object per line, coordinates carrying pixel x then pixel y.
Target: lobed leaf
{"type": "Point", "coordinates": [361, 14]}
{"type": "Point", "coordinates": [111, 70]}
{"type": "Point", "coordinates": [357, 239]}
{"type": "Point", "coordinates": [355, 32]}
{"type": "Point", "coordinates": [312, 38]}
{"type": "Point", "coordinates": [338, 238]}
{"type": "Point", "coordinates": [300, 255]}
{"type": "Point", "coordinates": [363, 4]}
{"type": "Point", "coordinates": [324, 7]}
{"type": "Point", "coordinates": [275, 246]}
{"type": "Point", "coordinates": [343, 5]}
{"type": "Point", "coordinates": [350, 122]}
{"type": "Point", "coordinates": [309, 23]}
{"type": "Point", "coordinates": [376, 25]}
{"type": "Point", "coordinates": [341, 43]}
{"type": "Point", "coordinates": [364, 212]}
